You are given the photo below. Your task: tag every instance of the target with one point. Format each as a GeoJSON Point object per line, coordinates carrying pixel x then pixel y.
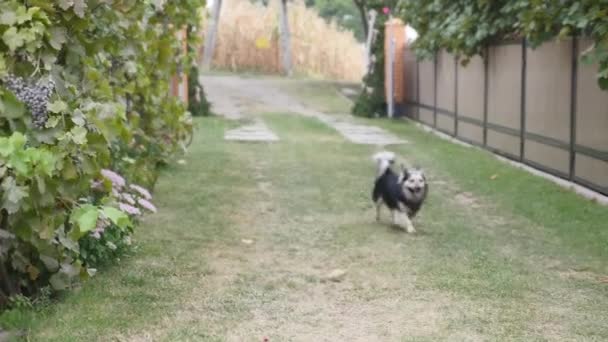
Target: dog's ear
{"type": "Point", "coordinates": [405, 173]}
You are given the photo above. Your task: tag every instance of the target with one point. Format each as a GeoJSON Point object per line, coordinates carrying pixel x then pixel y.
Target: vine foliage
{"type": "Point", "coordinates": [110, 63]}
{"type": "Point", "coordinates": [466, 27]}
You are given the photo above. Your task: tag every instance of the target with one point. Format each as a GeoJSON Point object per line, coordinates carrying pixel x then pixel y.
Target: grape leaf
{"type": "Point", "coordinates": [65, 4]}
{"type": "Point", "coordinates": [117, 217]}
{"type": "Point", "coordinates": [57, 107]}
{"type": "Point", "coordinates": [79, 7]}
{"type": "Point", "coordinates": [58, 37]}
{"type": "Point", "coordinates": [12, 108]}
{"type": "Point", "coordinates": [13, 39]}
{"type": "Point", "coordinates": [8, 17]}
{"type": "Point", "coordinates": [85, 218]}
{"type": "Point", "coordinates": [79, 135]}
{"type": "Point", "coordinates": [12, 195]}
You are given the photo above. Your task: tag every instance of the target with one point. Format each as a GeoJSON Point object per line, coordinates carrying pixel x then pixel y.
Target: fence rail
{"type": "Point", "coordinates": [537, 106]}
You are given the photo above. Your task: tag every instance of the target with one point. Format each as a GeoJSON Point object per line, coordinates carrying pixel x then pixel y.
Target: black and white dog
{"type": "Point", "coordinates": [403, 193]}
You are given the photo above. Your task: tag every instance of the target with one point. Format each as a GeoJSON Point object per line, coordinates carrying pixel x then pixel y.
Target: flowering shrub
{"type": "Point", "coordinates": [85, 116]}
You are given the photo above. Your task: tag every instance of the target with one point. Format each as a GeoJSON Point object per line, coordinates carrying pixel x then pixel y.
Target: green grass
{"type": "Point", "coordinates": [510, 258]}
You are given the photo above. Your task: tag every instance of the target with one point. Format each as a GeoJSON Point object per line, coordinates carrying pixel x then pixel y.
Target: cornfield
{"type": "Point", "coordinates": [248, 40]}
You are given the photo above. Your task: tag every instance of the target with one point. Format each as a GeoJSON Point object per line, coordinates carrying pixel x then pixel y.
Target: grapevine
{"type": "Point", "coordinates": [35, 95]}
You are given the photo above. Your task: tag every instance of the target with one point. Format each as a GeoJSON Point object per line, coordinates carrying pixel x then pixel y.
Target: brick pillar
{"type": "Point", "coordinates": [396, 27]}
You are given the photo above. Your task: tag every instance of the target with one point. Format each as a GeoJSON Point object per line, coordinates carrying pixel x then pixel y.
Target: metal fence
{"type": "Point", "coordinates": [537, 106]}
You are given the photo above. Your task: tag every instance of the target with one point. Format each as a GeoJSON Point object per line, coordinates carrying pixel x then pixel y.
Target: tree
{"type": "Point", "coordinates": [363, 9]}
{"type": "Point", "coordinates": [285, 38]}
{"type": "Point", "coordinates": [345, 13]}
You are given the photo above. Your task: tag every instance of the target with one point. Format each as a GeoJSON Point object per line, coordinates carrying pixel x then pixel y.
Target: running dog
{"type": "Point", "coordinates": [403, 193]}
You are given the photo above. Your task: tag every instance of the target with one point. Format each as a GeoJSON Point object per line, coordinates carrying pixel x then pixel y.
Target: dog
{"type": "Point", "coordinates": [403, 193]}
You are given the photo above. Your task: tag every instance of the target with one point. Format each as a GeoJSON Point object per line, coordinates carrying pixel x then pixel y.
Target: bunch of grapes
{"type": "Point", "coordinates": [34, 95]}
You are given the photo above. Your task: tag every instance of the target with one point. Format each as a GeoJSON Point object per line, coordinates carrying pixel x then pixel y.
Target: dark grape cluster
{"type": "Point", "coordinates": [35, 95]}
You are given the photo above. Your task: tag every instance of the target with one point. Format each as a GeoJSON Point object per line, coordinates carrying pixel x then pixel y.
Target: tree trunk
{"type": "Point", "coordinates": [285, 39]}
{"type": "Point", "coordinates": [211, 34]}
{"type": "Point", "coordinates": [363, 13]}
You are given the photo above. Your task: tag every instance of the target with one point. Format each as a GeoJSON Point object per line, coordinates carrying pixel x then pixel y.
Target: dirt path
{"type": "Point", "coordinates": [236, 97]}
{"type": "Point", "coordinates": [278, 241]}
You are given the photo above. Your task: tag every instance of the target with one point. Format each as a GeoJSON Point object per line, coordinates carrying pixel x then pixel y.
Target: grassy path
{"type": "Point", "coordinates": [247, 233]}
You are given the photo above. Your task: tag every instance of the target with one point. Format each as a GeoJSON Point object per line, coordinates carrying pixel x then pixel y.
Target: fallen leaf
{"type": "Point", "coordinates": [493, 177]}
{"type": "Point", "coordinates": [336, 275]}
{"type": "Point", "coordinates": [247, 241]}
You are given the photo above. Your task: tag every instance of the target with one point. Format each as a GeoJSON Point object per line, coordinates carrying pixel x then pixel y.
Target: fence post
{"type": "Point", "coordinates": [417, 89]}
{"type": "Point", "coordinates": [455, 96]}
{"type": "Point", "coordinates": [486, 63]}
{"type": "Point", "coordinates": [435, 90]}
{"type": "Point", "coordinates": [523, 100]}
{"type": "Point", "coordinates": [369, 40]}
{"type": "Point", "coordinates": [391, 77]}
{"type": "Point", "coordinates": [573, 103]}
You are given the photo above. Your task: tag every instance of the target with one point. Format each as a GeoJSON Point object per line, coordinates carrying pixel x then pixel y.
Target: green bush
{"type": "Point", "coordinates": [84, 87]}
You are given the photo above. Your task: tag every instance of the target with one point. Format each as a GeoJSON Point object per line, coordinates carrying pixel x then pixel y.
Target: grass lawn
{"type": "Point", "coordinates": [247, 233]}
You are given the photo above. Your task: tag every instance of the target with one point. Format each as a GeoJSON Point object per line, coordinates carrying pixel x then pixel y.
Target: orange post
{"type": "Point", "coordinates": [395, 29]}
{"type": "Point", "coordinates": [179, 83]}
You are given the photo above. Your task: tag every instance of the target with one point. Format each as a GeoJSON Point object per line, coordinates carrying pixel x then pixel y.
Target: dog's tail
{"type": "Point", "coordinates": [383, 160]}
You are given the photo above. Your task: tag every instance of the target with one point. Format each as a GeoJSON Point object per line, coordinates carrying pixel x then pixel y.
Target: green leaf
{"type": "Point", "coordinates": [59, 281]}
{"type": "Point", "coordinates": [117, 217]}
{"type": "Point", "coordinates": [12, 195]}
{"type": "Point", "coordinates": [47, 163]}
{"type": "Point", "coordinates": [3, 70]}
{"type": "Point", "coordinates": [50, 263]}
{"type": "Point", "coordinates": [58, 37]}
{"type": "Point", "coordinates": [13, 39]}
{"type": "Point", "coordinates": [65, 4]}
{"type": "Point", "coordinates": [5, 147]}
{"type": "Point", "coordinates": [12, 108]}
{"type": "Point", "coordinates": [23, 15]}
{"type": "Point", "coordinates": [57, 107]}
{"type": "Point", "coordinates": [8, 17]}
{"type": "Point", "coordinates": [79, 135]}
{"type": "Point", "coordinates": [11, 144]}
{"type": "Point", "coordinates": [79, 7]}
{"type": "Point", "coordinates": [52, 122]}
{"type": "Point", "coordinates": [17, 140]}
{"type": "Point", "coordinates": [85, 218]}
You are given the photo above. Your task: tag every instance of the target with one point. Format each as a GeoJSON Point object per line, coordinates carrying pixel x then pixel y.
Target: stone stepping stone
{"type": "Point", "coordinates": [366, 135]}
{"type": "Point", "coordinates": [257, 131]}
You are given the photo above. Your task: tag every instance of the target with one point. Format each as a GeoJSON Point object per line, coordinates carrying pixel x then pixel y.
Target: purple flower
{"type": "Point", "coordinates": [128, 198]}
{"type": "Point", "coordinates": [100, 227]}
{"type": "Point", "coordinates": [129, 209]}
{"type": "Point", "coordinates": [147, 204]}
{"type": "Point", "coordinates": [113, 177]}
{"type": "Point", "coordinates": [142, 191]}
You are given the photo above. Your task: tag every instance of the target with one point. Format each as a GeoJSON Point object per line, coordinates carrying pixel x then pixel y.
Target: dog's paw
{"type": "Point", "coordinates": [410, 229]}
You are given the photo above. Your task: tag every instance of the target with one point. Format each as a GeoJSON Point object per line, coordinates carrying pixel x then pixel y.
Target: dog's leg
{"type": "Point", "coordinates": [378, 207]}
{"type": "Point", "coordinates": [407, 223]}
{"type": "Point", "coordinates": [409, 227]}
